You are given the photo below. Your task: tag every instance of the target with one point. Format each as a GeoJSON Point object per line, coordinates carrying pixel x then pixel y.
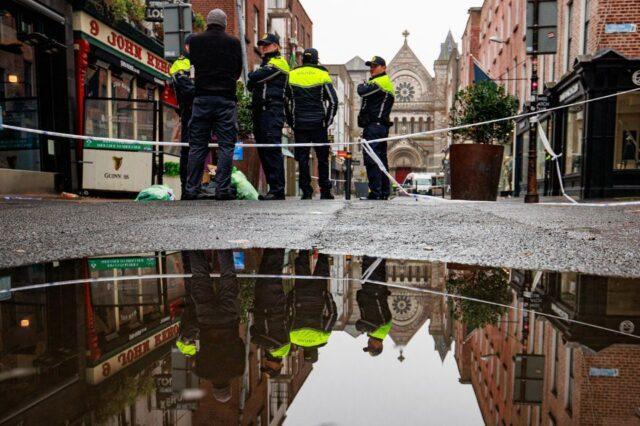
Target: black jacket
{"type": "Point", "coordinates": [378, 97]}
{"type": "Point", "coordinates": [312, 101]}
{"type": "Point", "coordinates": [217, 59]}
{"type": "Point", "coordinates": [373, 298]}
{"type": "Point", "coordinates": [185, 90]}
{"type": "Point", "coordinates": [267, 84]}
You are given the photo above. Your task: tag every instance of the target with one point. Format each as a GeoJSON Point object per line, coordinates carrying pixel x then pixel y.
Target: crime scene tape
{"type": "Point", "coordinates": [293, 145]}
{"type": "Point", "coordinates": [364, 279]}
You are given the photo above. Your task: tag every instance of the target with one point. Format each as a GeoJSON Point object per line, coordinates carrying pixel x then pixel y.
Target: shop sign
{"type": "Point", "coordinates": [108, 145]}
{"type": "Point", "coordinates": [620, 28]}
{"type": "Point", "coordinates": [572, 90]}
{"type": "Point", "coordinates": [116, 170]}
{"type": "Point", "coordinates": [122, 263]}
{"type": "Point", "coordinates": [636, 78]}
{"type": "Point", "coordinates": [238, 152]}
{"type": "Point", "coordinates": [155, 11]}
{"type": "Point", "coordinates": [100, 33]}
{"type": "Point", "coordinates": [5, 288]}
{"type": "Point", "coordinates": [604, 372]}
{"type": "Point", "coordinates": [543, 102]}
{"type": "Point", "coordinates": [130, 355]}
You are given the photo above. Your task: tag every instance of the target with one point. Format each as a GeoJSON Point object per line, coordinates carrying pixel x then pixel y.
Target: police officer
{"type": "Point", "coordinates": [375, 315]}
{"type": "Point", "coordinates": [378, 97]}
{"type": "Point", "coordinates": [312, 104]}
{"type": "Point", "coordinates": [268, 84]}
{"type": "Point", "coordinates": [184, 89]}
{"type": "Point", "coordinates": [217, 60]}
{"type": "Point", "coordinates": [270, 329]}
{"type": "Point", "coordinates": [312, 308]}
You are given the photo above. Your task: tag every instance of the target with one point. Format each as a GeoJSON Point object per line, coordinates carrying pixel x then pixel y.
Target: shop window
{"type": "Point", "coordinates": [122, 108]}
{"type": "Point", "coordinates": [574, 131]}
{"type": "Point", "coordinates": [623, 297]}
{"type": "Point", "coordinates": [627, 144]}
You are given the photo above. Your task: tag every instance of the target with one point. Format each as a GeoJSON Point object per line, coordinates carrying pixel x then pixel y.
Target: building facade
{"type": "Point", "coordinates": [37, 90]}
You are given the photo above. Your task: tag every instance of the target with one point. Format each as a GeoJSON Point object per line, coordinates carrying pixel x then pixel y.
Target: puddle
{"type": "Point", "coordinates": [299, 337]}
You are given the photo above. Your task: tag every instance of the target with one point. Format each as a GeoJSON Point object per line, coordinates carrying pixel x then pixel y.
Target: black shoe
{"type": "Point", "coordinates": [307, 197]}
{"type": "Point", "coordinates": [200, 196]}
{"type": "Point", "coordinates": [327, 196]}
{"type": "Point", "coordinates": [271, 197]}
{"type": "Point", "coordinates": [226, 196]}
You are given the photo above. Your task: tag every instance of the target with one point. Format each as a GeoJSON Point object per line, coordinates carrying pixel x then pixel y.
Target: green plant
{"type": "Point", "coordinates": [121, 10]}
{"type": "Point", "coordinates": [245, 116]}
{"type": "Point", "coordinates": [481, 102]}
{"type": "Point", "coordinates": [489, 285]}
{"type": "Point", "coordinates": [171, 169]}
{"type": "Point", "coordinates": [122, 391]}
{"type": "Point", "coordinates": [199, 23]}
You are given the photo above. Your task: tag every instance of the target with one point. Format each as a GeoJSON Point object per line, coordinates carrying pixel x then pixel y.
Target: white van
{"type": "Point", "coordinates": [419, 183]}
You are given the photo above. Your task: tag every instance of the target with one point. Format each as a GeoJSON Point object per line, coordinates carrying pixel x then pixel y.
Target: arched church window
{"type": "Point", "coordinates": [413, 120]}
{"type": "Point", "coordinates": [395, 126]}
{"type": "Point", "coordinates": [421, 124]}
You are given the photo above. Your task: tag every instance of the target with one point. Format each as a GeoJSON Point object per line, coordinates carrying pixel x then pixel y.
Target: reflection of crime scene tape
{"type": "Point", "coordinates": [365, 279]}
{"type": "Point", "coordinates": [366, 145]}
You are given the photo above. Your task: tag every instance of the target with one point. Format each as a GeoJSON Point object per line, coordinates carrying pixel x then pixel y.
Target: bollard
{"type": "Point", "coordinates": [347, 188]}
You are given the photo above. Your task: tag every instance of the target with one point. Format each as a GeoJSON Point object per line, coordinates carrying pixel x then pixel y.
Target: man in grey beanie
{"type": "Point", "coordinates": [217, 59]}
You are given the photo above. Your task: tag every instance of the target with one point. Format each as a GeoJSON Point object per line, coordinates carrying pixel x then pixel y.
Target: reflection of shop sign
{"type": "Point", "coordinates": [238, 260]}
{"type": "Point", "coordinates": [572, 90]}
{"type": "Point", "coordinates": [604, 372]}
{"type": "Point", "coordinates": [164, 383]}
{"type": "Point", "coordinates": [122, 263]}
{"type": "Point", "coordinates": [627, 327]}
{"type": "Point", "coordinates": [5, 288]}
{"type": "Point", "coordinates": [108, 37]}
{"type": "Point", "coordinates": [636, 78]}
{"type": "Point", "coordinates": [128, 356]}
{"type": "Point", "coordinates": [559, 312]}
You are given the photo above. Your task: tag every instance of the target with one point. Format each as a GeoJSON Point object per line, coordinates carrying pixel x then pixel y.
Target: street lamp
{"type": "Point", "coordinates": [12, 78]}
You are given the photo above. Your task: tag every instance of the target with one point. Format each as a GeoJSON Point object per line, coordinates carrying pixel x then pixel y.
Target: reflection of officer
{"type": "Point", "coordinates": [312, 104]}
{"type": "Point", "coordinates": [185, 90]}
{"type": "Point", "coordinates": [375, 315]}
{"type": "Point", "coordinates": [217, 59]}
{"type": "Point", "coordinates": [210, 323]}
{"type": "Point", "coordinates": [268, 85]}
{"type": "Point", "coordinates": [313, 311]}
{"type": "Point", "coordinates": [271, 326]}
{"type": "Point", "coordinates": [378, 97]}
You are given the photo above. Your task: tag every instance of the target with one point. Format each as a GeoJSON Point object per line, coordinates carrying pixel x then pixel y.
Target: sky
{"type": "Point", "coordinates": [343, 29]}
{"type": "Point", "coordinates": [348, 387]}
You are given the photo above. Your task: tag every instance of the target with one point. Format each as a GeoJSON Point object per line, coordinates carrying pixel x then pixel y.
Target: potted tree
{"type": "Point", "coordinates": [477, 153]}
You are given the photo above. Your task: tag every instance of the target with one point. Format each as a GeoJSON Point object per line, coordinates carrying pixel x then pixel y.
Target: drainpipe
{"type": "Point", "coordinates": [243, 42]}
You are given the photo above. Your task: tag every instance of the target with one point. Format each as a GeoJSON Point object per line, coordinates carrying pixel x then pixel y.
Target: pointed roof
{"type": "Point", "coordinates": [406, 54]}
{"type": "Point", "coordinates": [447, 48]}
{"type": "Point", "coordinates": [356, 64]}
{"type": "Point", "coordinates": [442, 346]}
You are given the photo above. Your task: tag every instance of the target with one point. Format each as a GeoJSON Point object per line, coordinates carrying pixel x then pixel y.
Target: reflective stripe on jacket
{"type": "Point", "coordinates": [268, 83]}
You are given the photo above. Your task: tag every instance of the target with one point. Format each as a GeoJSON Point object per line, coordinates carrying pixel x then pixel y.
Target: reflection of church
{"type": "Point", "coordinates": [410, 309]}
{"type": "Point", "coordinates": [420, 106]}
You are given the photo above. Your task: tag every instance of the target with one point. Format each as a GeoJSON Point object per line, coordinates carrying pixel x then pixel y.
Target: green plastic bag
{"type": "Point", "coordinates": [156, 193]}
{"type": "Point", "coordinates": [245, 190]}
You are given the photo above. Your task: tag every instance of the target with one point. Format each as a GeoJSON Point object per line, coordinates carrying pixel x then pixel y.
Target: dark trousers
{"type": "Point", "coordinates": [211, 115]}
{"type": "Point", "coordinates": [322, 153]}
{"type": "Point", "coordinates": [267, 128]}
{"type": "Point", "coordinates": [379, 185]}
{"type": "Point", "coordinates": [185, 118]}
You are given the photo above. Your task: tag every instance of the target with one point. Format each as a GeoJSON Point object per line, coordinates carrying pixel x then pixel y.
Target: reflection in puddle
{"type": "Point", "coordinates": [301, 337]}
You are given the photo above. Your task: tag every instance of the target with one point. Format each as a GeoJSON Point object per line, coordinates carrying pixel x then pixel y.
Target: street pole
{"type": "Point", "coordinates": [347, 177]}
{"type": "Point", "coordinates": [532, 178]}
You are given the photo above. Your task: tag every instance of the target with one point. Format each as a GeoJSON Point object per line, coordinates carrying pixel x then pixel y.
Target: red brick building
{"type": "Point", "coordinates": [290, 21]}
{"type": "Point", "coordinates": [255, 16]}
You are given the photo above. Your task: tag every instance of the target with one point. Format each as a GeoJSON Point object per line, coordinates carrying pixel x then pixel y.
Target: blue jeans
{"type": "Point", "coordinates": [212, 115]}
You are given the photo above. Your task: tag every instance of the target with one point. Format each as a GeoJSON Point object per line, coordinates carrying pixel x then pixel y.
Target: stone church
{"type": "Point", "coordinates": [421, 104]}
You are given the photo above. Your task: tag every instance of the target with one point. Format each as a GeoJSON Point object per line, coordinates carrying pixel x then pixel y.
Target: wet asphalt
{"type": "Point", "coordinates": [592, 240]}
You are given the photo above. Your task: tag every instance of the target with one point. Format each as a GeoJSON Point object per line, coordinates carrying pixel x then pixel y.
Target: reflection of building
{"type": "Point", "coordinates": [587, 376]}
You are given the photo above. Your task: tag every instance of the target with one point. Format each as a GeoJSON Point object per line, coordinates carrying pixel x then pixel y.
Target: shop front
{"type": "Point", "coordinates": [123, 92]}
{"type": "Point", "coordinates": [36, 91]}
{"type": "Point", "coordinates": [599, 141]}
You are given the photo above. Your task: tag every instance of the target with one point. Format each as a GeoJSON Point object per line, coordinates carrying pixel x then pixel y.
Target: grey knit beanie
{"type": "Point", "coordinates": [217, 17]}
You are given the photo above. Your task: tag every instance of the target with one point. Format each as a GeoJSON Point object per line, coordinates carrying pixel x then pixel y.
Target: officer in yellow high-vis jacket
{"type": "Point", "coordinates": [378, 97]}
{"type": "Point", "coordinates": [267, 85]}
